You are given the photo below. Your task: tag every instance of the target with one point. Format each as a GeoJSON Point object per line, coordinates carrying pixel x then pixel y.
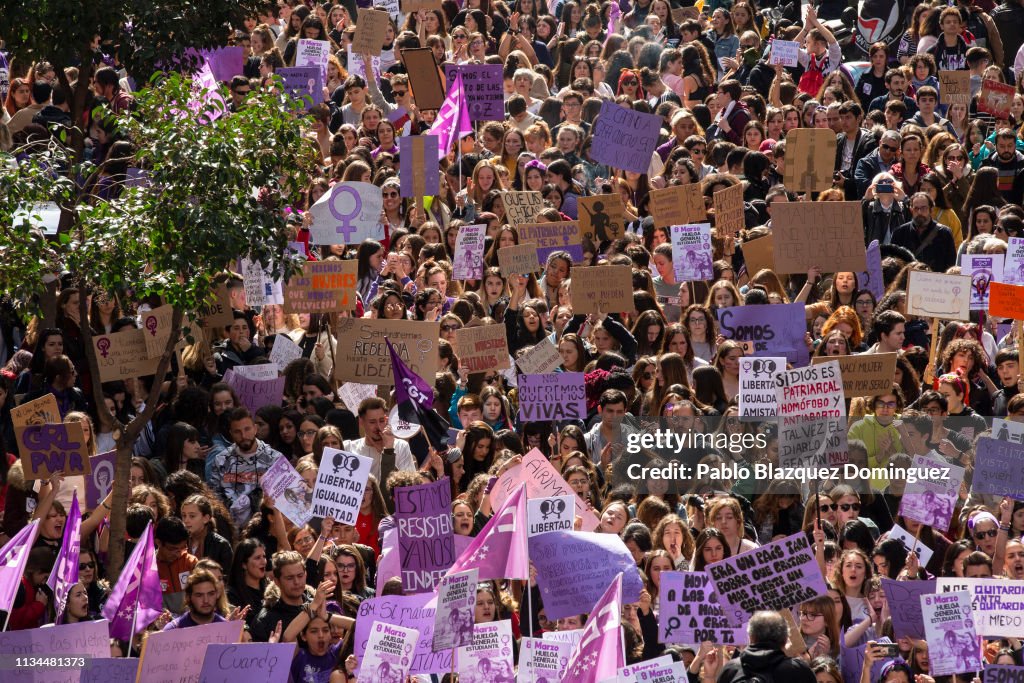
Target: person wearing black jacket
{"type": "Point", "coordinates": [764, 656]}
{"type": "Point", "coordinates": [883, 212]}
{"type": "Point", "coordinates": [852, 145]}
{"type": "Point", "coordinates": [931, 242]}
{"type": "Point", "coordinates": [204, 541]}
{"type": "Point", "coordinates": [238, 348]}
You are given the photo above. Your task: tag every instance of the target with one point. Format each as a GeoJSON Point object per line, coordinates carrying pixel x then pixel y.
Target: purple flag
{"type": "Point", "coordinates": [499, 551]}
{"type": "Point", "coordinates": [408, 385]}
{"type": "Point", "coordinates": [599, 656]}
{"type": "Point", "coordinates": [13, 557]}
{"type": "Point", "coordinates": [64, 574]}
{"type": "Point", "coordinates": [139, 584]}
{"type": "Point", "coordinates": [453, 118]}
{"type": "Point", "coordinates": [425, 538]}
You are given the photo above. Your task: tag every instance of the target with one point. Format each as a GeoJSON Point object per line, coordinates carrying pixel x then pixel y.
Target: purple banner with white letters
{"type": "Point", "coordinates": [690, 611]}
{"type": "Point", "coordinates": [426, 543]}
{"type": "Point", "coordinates": [768, 330]}
{"type": "Point", "coordinates": [303, 82]}
{"type": "Point", "coordinates": [997, 468]}
{"type": "Point", "coordinates": [411, 611]}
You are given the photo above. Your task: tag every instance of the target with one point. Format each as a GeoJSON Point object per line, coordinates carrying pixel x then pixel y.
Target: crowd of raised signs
{"type": "Point", "coordinates": [544, 236]}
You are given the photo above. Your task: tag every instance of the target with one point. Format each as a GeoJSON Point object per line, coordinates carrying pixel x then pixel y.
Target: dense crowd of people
{"type": "Point", "coordinates": [936, 181]}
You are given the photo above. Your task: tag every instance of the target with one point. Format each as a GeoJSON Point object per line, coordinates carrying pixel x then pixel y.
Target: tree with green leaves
{"type": "Point", "coordinates": [218, 184]}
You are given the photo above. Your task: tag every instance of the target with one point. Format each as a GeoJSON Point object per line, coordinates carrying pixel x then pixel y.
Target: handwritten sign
{"type": "Point", "coordinates": [372, 31]}
{"type": "Point", "coordinates": [426, 540]}
{"type": "Point", "coordinates": [50, 448]}
{"type": "Point", "coordinates": [340, 483]}
{"type": "Point", "coordinates": [238, 662]}
{"type": "Point", "coordinates": [692, 252]}
{"type": "Point", "coordinates": [217, 311]}
{"type": "Point", "coordinates": [353, 393]}
{"type": "Point", "coordinates": [157, 330]}
{"type": "Point", "coordinates": [810, 398]}
{"type": "Point", "coordinates": [995, 604]}
{"type": "Point", "coordinates": [542, 481]}
{"type": "Point", "coordinates": [955, 87]}
{"type": "Point", "coordinates": [865, 374]}
{"type": "Point", "coordinates": [784, 52]}
{"type": "Point", "coordinates": [483, 86]}
{"type": "Point", "coordinates": [997, 468]}
{"type": "Point", "coordinates": [303, 82]}
{"type": "Point", "coordinates": [110, 670]}
{"type": "Point", "coordinates": [728, 204]}
{"type": "Point", "coordinates": [624, 138]}
{"type": "Point", "coordinates": [256, 393]}
{"type": "Point", "coordinates": [996, 98]}
{"type": "Point", "coordinates": [759, 254]}
{"type": "Point", "coordinates": [178, 654]}
{"type": "Point", "coordinates": [772, 329]}
{"type": "Point", "coordinates": [520, 259]}
{"type": "Point", "coordinates": [468, 262]}
{"type": "Point", "coordinates": [322, 287]}
{"type": "Point", "coordinates": [904, 598]}
{"type": "Point", "coordinates": [415, 612]}
{"type": "Point", "coordinates": [284, 352]}
{"type": "Point", "coordinates": [1006, 301]}
{"type": "Point", "coordinates": [522, 207]}
{"type": "Point", "coordinates": [123, 356]}
{"type": "Point", "coordinates": [937, 295]}
{"type": "Point", "coordinates": [606, 288]}
{"type": "Point", "coordinates": [482, 348]}
{"type": "Point", "coordinates": [558, 396]}
{"type": "Point", "coordinates": [552, 237]}
{"type": "Point", "coordinates": [677, 205]}
{"type": "Point", "coordinates": [39, 411]}
{"type": "Point", "coordinates": [540, 359]}
{"type": "Point", "coordinates": [810, 161]}
{"type": "Point", "coordinates": [362, 355]}
{"type": "Point", "coordinates": [89, 639]}
{"type": "Point", "coordinates": [690, 611]}
{"type": "Point", "coordinates": [348, 214]}
{"type": "Point", "coordinates": [829, 235]}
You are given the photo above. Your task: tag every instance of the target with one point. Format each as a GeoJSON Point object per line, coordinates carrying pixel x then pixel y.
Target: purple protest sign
{"type": "Point", "coordinates": [566, 591]}
{"type": "Point", "coordinates": [997, 468]}
{"type": "Point", "coordinates": [389, 566]}
{"type": "Point", "coordinates": [109, 670]}
{"type": "Point", "coordinates": [691, 252]}
{"type": "Point", "coordinates": [557, 396]}
{"type": "Point", "coordinates": [253, 393]}
{"type": "Point", "coordinates": [303, 82]}
{"type": "Point", "coordinates": [871, 279]}
{"type": "Point", "coordinates": [904, 599]}
{"type": "Point", "coordinates": [485, 92]}
{"type": "Point", "coordinates": [625, 139]}
{"type": "Point", "coordinates": [468, 263]}
{"type": "Point", "coordinates": [86, 639]}
{"type": "Point", "coordinates": [411, 611]}
{"type": "Point", "coordinates": [234, 663]}
{"type": "Point", "coordinates": [772, 330]}
{"type": "Point", "coordinates": [418, 158]}
{"type": "Point", "coordinates": [425, 537]}
{"type": "Point", "coordinates": [225, 62]}
{"type": "Point", "coordinates": [949, 627]}
{"type": "Point", "coordinates": [690, 612]}
{"type": "Point", "coordinates": [931, 501]}
{"type": "Point", "coordinates": [775, 576]}
{"type": "Point", "coordinates": [100, 481]}
{"type": "Point", "coordinates": [1004, 673]}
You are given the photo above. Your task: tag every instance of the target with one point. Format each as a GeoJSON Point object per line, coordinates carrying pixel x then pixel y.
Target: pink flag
{"type": "Point", "coordinates": [452, 121]}
{"type": "Point", "coordinates": [13, 557]}
{"type": "Point", "coordinates": [64, 574]}
{"type": "Point", "coordinates": [139, 585]}
{"type": "Point", "coordinates": [499, 551]}
{"type": "Point", "coordinates": [599, 655]}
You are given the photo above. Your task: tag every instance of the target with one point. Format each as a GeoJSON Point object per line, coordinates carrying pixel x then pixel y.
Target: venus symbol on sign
{"type": "Point", "coordinates": [104, 346]}
{"type": "Point", "coordinates": [343, 462]}
{"type": "Point", "coordinates": [345, 226]}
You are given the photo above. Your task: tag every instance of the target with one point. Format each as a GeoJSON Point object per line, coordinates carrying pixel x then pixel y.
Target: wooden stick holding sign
{"type": "Point", "coordinates": [929, 371]}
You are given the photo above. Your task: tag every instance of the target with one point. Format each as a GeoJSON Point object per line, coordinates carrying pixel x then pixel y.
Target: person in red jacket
{"type": "Point", "coordinates": [33, 602]}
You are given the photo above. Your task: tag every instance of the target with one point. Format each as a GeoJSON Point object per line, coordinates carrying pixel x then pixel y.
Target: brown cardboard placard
{"type": "Point", "coordinates": [681, 14]}
{"type": "Point", "coordinates": [728, 205]}
{"type": "Point", "coordinates": [866, 374]}
{"type": "Point", "coordinates": [123, 356]}
{"type": "Point", "coordinates": [541, 359]}
{"type": "Point", "coordinates": [954, 87]}
{"type": "Point", "coordinates": [49, 448]}
{"type": "Point", "coordinates": [602, 217]}
{"type": "Point", "coordinates": [43, 410]}
{"type": "Point", "coordinates": [759, 254]}
{"type": "Point", "coordinates": [217, 312]}
{"type": "Point", "coordinates": [520, 259]}
{"type": "Point", "coordinates": [677, 205]}
{"type": "Point", "coordinates": [482, 348]}
{"type": "Point", "coordinates": [362, 356]}
{"type": "Point", "coordinates": [522, 207]}
{"type": "Point", "coordinates": [829, 235]}
{"type": "Point", "coordinates": [424, 78]}
{"type": "Point", "coordinates": [156, 325]}
{"type": "Point", "coordinates": [322, 287]}
{"type": "Point", "coordinates": [410, 6]}
{"type": "Point", "coordinates": [371, 31]}
{"type": "Point", "coordinates": [939, 295]}
{"type": "Point", "coordinates": [609, 288]}
{"type": "Point", "coordinates": [810, 159]}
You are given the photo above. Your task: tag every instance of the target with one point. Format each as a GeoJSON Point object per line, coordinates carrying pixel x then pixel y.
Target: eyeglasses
{"type": "Point", "coordinates": [885, 404]}
{"type": "Point", "coordinates": [991, 533]}
{"type": "Point", "coordinates": [491, 380]}
{"type": "Point", "coordinates": [450, 328]}
{"type": "Point", "coordinates": [630, 82]}
{"type": "Point", "coordinates": [476, 42]}
{"type": "Point", "coordinates": [846, 507]}
{"type": "Point", "coordinates": [864, 302]}
{"type": "Point", "coordinates": [954, 157]}
{"type": "Point", "coordinates": [307, 432]}
{"type": "Point", "coordinates": [889, 148]}
{"type": "Point", "coordinates": [748, 46]}
{"type": "Point", "coordinates": [698, 150]}
{"type": "Point", "coordinates": [389, 194]}
{"type": "Point", "coordinates": [460, 36]}
{"type": "Point", "coordinates": [825, 507]}
{"type": "Point", "coordinates": [82, 566]}
{"type": "Point", "coordinates": [810, 615]}
{"type": "Point", "coordinates": [648, 375]}
{"type": "Point", "coordinates": [697, 320]}
{"type": "Point", "coordinates": [346, 567]}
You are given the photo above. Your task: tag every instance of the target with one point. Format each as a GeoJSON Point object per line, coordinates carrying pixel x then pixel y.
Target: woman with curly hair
{"type": "Point", "coordinates": [846, 320]}
{"type": "Point", "coordinates": [672, 535]}
{"type": "Point", "coordinates": [965, 356]}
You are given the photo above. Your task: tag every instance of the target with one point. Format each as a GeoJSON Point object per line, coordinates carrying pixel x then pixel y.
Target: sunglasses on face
{"type": "Point", "coordinates": [828, 507]}
{"type": "Point", "coordinates": [389, 194]}
{"type": "Point", "coordinates": [846, 507]}
{"type": "Point", "coordinates": [82, 566]}
{"type": "Point", "coordinates": [400, 93]}
{"type": "Point", "coordinates": [490, 380]}
{"type": "Point", "coordinates": [449, 328]}
{"type": "Point", "coordinates": [991, 533]}
{"type": "Point", "coordinates": [889, 148]}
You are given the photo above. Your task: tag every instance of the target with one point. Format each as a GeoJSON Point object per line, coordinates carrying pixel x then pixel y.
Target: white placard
{"type": "Point", "coordinates": [550, 514]}
{"type": "Point", "coordinates": [284, 351]}
{"type": "Point", "coordinates": [757, 397]}
{"type": "Point", "coordinates": [784, 52]}
{"type": "Point", "coordinates": [340, 484]}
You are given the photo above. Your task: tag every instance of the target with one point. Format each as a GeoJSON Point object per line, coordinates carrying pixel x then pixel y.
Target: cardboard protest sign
{"type": "Point", "coordinates": [237, 662]}
{"type": "Point", "coordinates": [340, 484]}
{"type": "Point", "coordinates": [558, 396]}
{"type": "Point", "coordinates": [284, 352]}
{"type": "Point", "coordinates": [483, 86]}
{"type": "Point", "coordinates": [552, 237]}
{"type": "Point", "coordinates": [995, 604]}
{"type": "Point", "coordinates": [542, 481]}
{"type": "Point", "coordinates": [522, 207]}
{"type": "Point", "coordinates": [258, 287]}
{"type": "Point", "coordinates": [1006, 301]}
{"type": "Point", "coordinates": [605, 288]}
{"type": "Point", "coordinates": [773, 329]}
{"type": "Point", "coordinates": [468, 262]}
{"type": "Point", "coordinates": [303, 82]}
{"type": "Point", "coordinates": [871, 279]}
{"type": "Point", "coordinates": [677, 205]}
{"type": "Point", "coordinates": [602, 217]}
{"type": "Point", "coordinates": [348, 214]}
{"type": "Point", "coordinates": [157, 330]}
{"type": "Point", "coordinates": [415, 612]}
{"type": "Point", "coordinates": [729, 218]}
{"type": "Point", "coordinates": [489, 656]}
{"type": "Point", "coordinates": [387, 653]}
{"type": "Point", "coordinates": [997, 468]}
{"type": "Point", "coordinates": [776, 576]}
{"type": "Point", "coordinates": [372, 28]}
{"type": "Point", "coordinates": [624, 138]}
{"type": "Point", "coordinates": [996, 98]}
{"type": "Point", "coordinates": [411, 6]}
{"type": "Point", "coordinates": [567, 592]}
{"type": "Point", "coordinates": [456, 601]}
{"type": "Point", "coordinates": [549, 514]}
{"type": "Point", "coordinates": [482, 348]}
{"type": "Point", "coordinates": [541, 358]}
{"type": "Point", "coordinates": [541, 659]}
{"type": "Point", "coordinates": [362, 355]}
{"type": "Point", "coordinates": [86, 639]}
{"type": "Point", "coordinates": [426, 540]}
{"type": "Point", "coordinates": [810, 162]}
{"type": "Point", "coordinates": [757, 397]}
{"type": "Point", "coordinates": [288, 489]}
{"type": "Point", "coordinates": [954, 87]}
{"type": "Point", "coordinates": [867, 374]}
{"type": "Point", "coordinates": [50, 448]}
{"type": "Point", "coordinates": [904, 598]}
{"type": "Point", "coordinates": [984, 269]}
{"type": "Point", "coordinates": [258, 373]}
{"type": "Point", "coordinates": [256, 393]}
{"type": "Point", "coordinates": [1013, 266]}
{"type": "Point", "coordinates": [692, 254]}
{"type": "Point", "coordinates": [217, 312]}
{"type": "Point", "coordinates": [520, 259]}
{"type": "Point", "coordinates": [40, 411]}
{"type": "Point", "coordinates": [784, 52]}
{"type": "Point", "coordinates": [178, 654]}
{"type": "Point", "coordinates": [681, 14]}
{"type": "Point", "coordinates": [100, 479]}
{"type": "Point", "coordinates": [949, 624]}
{"type": "Point", "coordinates": [424, 78]}
{"type": "Point", "coordinates": [759, 254]}
{"type": "Point", "coordinates": [322, 287]}
{"type": "Point", "coordinates": [937, 295]}
{"type": "Point", "coordinates": [690, 612]}
{"type": "Point", "coordinates": [931, 501]}
{"type": "Point", "coordinates": [123, 356]}
{"type": "Point", "coordinates": [829, 235]}
{"type": "Point", "coordinates": [418, 155]}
